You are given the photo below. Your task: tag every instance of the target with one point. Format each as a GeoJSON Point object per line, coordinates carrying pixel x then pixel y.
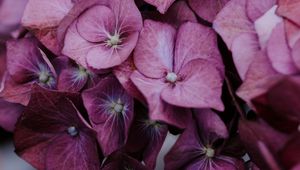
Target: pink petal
{"type": "Point", "coordinates": [207, 9]}
{"type": "Point", "coordinates": [296, 54]}
{"type": "Point", "coordinates": [162, 6]}
{"type": "Point", "coordinates": [232, 21]}
{"type": "Point", "coordinates": [96, 24]}
{"type": "Point", "coordinates": [201, 87]}
{"type": "Point", "coordinates": [244, 50]}
{"type": "Point", "coordinates": [257, 8]}
{"type": "Point", "coordinates": [9, 114]}
{"type": "Point", "coordinates": [195, 41]}
{"type": "Point", "coordinates": [292, 32]}
{"type": "Point", "coordinates": [290, 10]}
{"type": "Point", "coordinates": [155, 49]}
{"type": "Point", "coordinates": [279, 52]}
{"type": "Point", "coordinates": [123, 73]}
{"type": "Point", "coordinates": [158, 109]}
{"type": "Point", "coordinates": [43, 17]}
{"type": "Point", "coordinates": [259, 78]}
{"type": "Point", "coordinates": [72, 80]}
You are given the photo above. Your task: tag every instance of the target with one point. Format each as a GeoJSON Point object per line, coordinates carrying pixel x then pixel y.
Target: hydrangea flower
{"type": "Point", "coordinates": [198, 148]}
{"type": "Point", "coordinates": [52, 134]}
{"type": "Point", "coordinates": [175, 69]}
{"type": "Point", "coordinates": [110, 110]}
{"type": "Point", "coordinates": [26, 64]}
{"type": "Point", "coordinates": [106, 39]}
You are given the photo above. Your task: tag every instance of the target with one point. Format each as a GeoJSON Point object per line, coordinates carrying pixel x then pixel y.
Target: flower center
{"type": "Point", "coordinates": [117, 107]}
{"type": "Point", "coordinates": [171, 77]}
{"type": "Point", "coordinates": [44, 77]}
{"type": "Point", "coordinates": [209, 152]}
{"type": "Point", "coordinates": [82, 71]}
{"type": "Point", "coordinates": [72, 130]}
{"type": "Point", "coordinates": [113, 41]}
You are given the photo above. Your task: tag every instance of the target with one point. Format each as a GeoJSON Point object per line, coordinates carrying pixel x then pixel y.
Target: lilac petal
{"type": "Point", "coordinates": [200, 87]}
{"type": "Point", "coordinates": [158, 109]}
{"type": "Point", "coordinates": [257, 8]}
{"type": "Point", "coordinates": [195, 41]}
{"type": "Point", "coordinates": [232, 21]}
{"type": "Point", "coordinates": [296, 54]}
{"type": "Point", "coordinates": [244, 50]}
{"type": "Point", "coordinates": [207, 9]}
{"type": "Point", "coordinates": [279, 52]}
{"type": "Point", "coordinates": [123, 73]}
{"type": "Point", "coordinates": [162, 6]}
{"type": "Point", "coordinates": [110, 110]}
{"type": "Point", "coordinates": [9, 114]}
{"type": "Point", "coordinates": [155, 49]}
{"type": "Point", "coordinates": [51, 124]}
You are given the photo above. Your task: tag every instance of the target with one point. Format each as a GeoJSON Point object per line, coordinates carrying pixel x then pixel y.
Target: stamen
{"type": "Point", "coordinates": [44, 77]}
{"type": "Point", "coordinates": [72, 130]}
{"type": "Point", "coordinates": [118, 107]}
{"type": "Point", "coordinates": [113, 41]}
{"type": "Point", "coordinates": [171, 77]}
{"type": "Point", "coordinates": [209, 152]}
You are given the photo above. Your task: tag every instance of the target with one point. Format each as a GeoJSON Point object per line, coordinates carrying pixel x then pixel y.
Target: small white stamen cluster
{"type": "Point", "coordinates": [171, 77]}
{"type": "Point", "coordinates": [72, 131]}
{"type": "Point", "coordinates": [117, 107]}
{"type": "Point", "coordinates": [113, 41]}
{"type": "Point", "coordinates": [209, 152]}
{"type": "Point", "coordinates": [44, 77]}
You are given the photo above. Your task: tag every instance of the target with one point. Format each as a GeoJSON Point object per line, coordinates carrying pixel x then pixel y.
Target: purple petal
{"type": "Point", "coordinates": [9, 114]}
{"type": "Point", "coordinates": [110, 110]}
{"type": "Point", "coordinates": [162, 6]}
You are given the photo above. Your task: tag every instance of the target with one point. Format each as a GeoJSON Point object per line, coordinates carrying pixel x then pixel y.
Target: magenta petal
{"type": "Point", "coordinates": [155, 49]}
{"type": "Point", "coordinates": [290, 10]}
{"type": "Point", "coordinates": [9, 114]}
{"type": "Point", "coordinates": [72, 79]}
{"type": "Point", "coordinates": [207, 9]}
{"type": "Point", "coordinates": [232, 21]}
{"type": "Point", "coordinates": [110, 110]}
{"type": "Point", "coordinates": [244, 50]}
{"type": "Point", "coordinates": [162, 6]}
{"type": "Point", "coordinates": [279, 52]}
{"type": "Point", "coordinates": [201, 87]}
{"type": "Point", "coordinates": [51, 125]}
{"type": "Point", "coordinates": [296, 54]}
{"type": "Point", "coordinates": [195, 41]}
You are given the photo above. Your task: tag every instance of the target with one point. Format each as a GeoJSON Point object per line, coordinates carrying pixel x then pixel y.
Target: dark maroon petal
{"type": "Point", "coordinates": [51, 125]}
{"type": "Point", "coordinates": [261, 146]}
{"type": "Point", "coordinates": [283, 115]}
{"type": "Point", "coordinates": [110, 110]}
{"type": "Point", "coordinates": [187, 148]}
{"type": "Point", "coordinates": [9, 114]}
{"type": "Point", "coordinates": [290, 153]}
{"type": "Point", "coordinates": [122, 161]}
{"type": "Point", "coordinates": [146, 137]}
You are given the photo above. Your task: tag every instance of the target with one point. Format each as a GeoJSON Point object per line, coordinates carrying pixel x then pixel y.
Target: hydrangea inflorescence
{"type": "Point", "coordinates": [151, 84]}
